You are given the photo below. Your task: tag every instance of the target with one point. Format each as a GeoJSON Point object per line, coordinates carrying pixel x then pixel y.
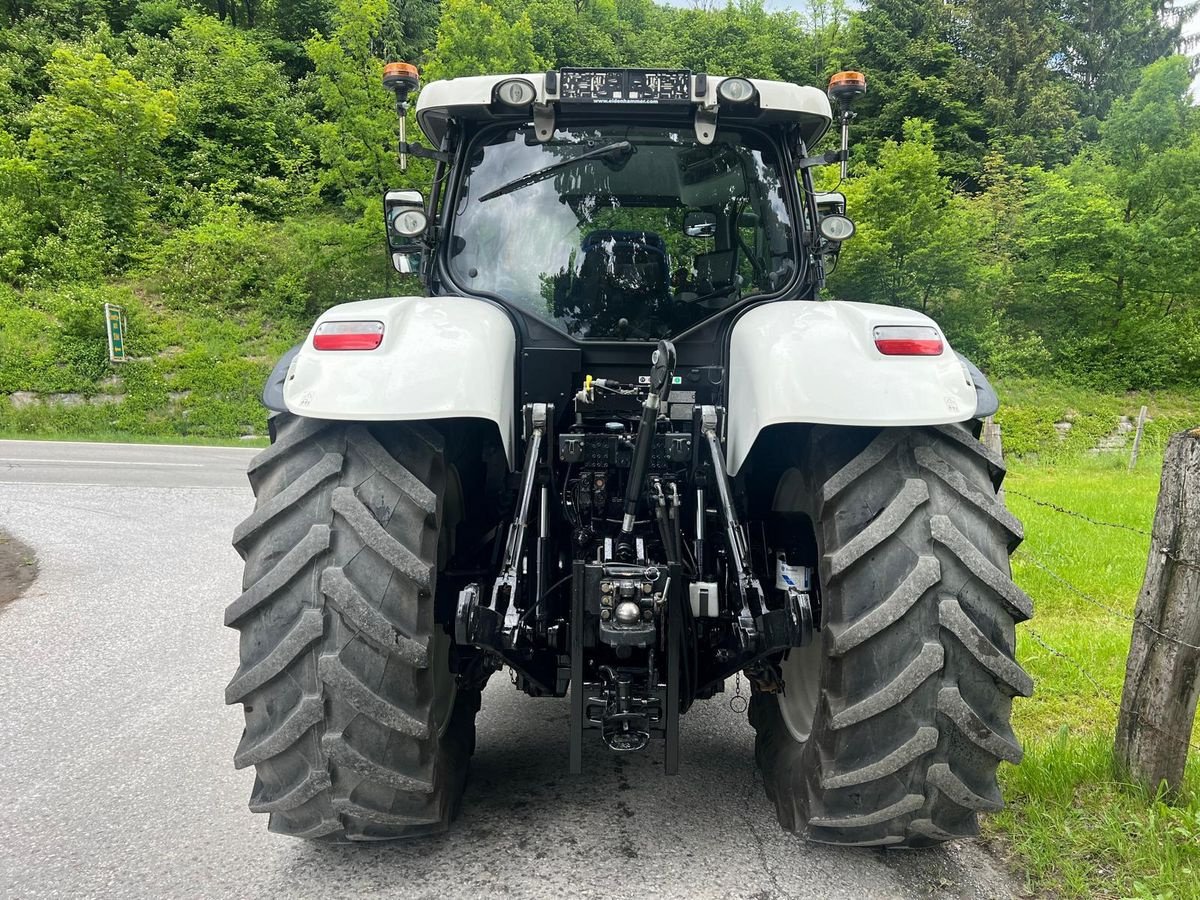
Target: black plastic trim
{"type": "Point", "coordinates": [987, 401]}
{"type": "Point", "coordinates": [272, 395]}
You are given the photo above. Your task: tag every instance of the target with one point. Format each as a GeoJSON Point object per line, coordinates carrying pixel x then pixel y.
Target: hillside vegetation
{"type": "Point", "coordinates": [1026, 173]}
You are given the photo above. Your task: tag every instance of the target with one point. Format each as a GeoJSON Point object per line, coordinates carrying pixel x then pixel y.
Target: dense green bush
{"type": "Point", "coordinates": [227, 262]}
{"type": "Point", "coordinates": [233, 262]}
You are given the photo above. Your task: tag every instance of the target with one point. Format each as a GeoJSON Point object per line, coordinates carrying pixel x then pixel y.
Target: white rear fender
{"type": "Point", "coordinates": [440, 358]}
{"type": "Point", "coordinates": [800, 361]}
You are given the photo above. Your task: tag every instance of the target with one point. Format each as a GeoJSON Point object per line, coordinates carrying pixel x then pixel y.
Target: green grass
{"type": "Point", "coordinates": [125, 437]}
{"type": "Point", "coordinates": [1078, 828]}
{"type": "Point", "coordinates": [195, 375]}
{"type": "Point", "coordinates": [1029, 410]}
{"type": "Point", "coordinates": [1081, 831]}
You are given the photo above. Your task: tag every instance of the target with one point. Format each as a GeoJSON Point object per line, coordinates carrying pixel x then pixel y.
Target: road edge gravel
{"type": "Point", "coordinates": [18, 568]}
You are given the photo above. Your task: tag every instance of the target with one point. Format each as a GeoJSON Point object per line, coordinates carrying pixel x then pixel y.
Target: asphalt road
{"type": "Point", "coordinates": [131, 465]}
{"type": "Point", "coordinates": [115, 745]}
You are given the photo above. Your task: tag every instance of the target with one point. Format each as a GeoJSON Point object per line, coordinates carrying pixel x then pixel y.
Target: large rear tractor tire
{"type": "Point", "coordinates": [354, 723]}
{"type": "Point", "coordinates": [892, 723]}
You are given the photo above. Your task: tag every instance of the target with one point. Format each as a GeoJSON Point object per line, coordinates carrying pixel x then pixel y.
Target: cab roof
{"type": "Point", "coordinates": [776, 103]}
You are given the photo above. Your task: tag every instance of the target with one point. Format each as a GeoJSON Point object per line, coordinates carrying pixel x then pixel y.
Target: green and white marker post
{"type": "Point", "coordinates": [115, 316]}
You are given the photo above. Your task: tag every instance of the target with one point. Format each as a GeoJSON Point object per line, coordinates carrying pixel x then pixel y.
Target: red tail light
{"type": "Point", "coordinates": [348, 335]}
{"type": "Point", "coordinates": [908, 340]}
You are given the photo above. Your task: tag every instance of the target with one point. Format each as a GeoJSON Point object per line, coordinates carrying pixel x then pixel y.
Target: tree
{"type": "Point", "coordinates": [240, 127]}
{"type": "Point", "coordinates": [298, 20]}
{"type": "Point", "coordinates": [244, 13]}
{"type": "Point", "coordinates": [828, 25]}
{"type": "Point", "coordinates": [914, 70]}
{"type": "Point", "coordinates": [157, 17]}
{"type": "Point", "coordinates": [569, 32]}
{"type": "Point", "coordinates": [98, 134]}
{"type": "Point", "coordinates": [1109, 243]}
{"type": "Point", "coordinates": [356, 137]}
{"type": "Point", "coordinates": [24, 213]}
{"type": "Point", "coordinates": [409, 30]}
{"type": "Point", "coordinates": [1106, 43]}
{"type": "Point", "coordinates": [475, 39]}
{"type": "Point", "coordinates": [1029, 104]}
{"type": "Point", "coordinates": [65, 16]}
{"type": "Point", "coordinates": [914, 242]}
{"type": "Point", "coordinates": [739, 39]}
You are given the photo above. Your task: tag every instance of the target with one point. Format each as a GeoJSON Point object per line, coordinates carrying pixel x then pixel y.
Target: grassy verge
{"type": "Point", "coordinates": [1049, 420]}
{"type": "Point", "coordinates": [208, 314]}
{"type": "Point", "coordinates": [194, 375]}
{"type": "Point", "coordinates": [1078, 827]}
{"type": "Point", "coordinates": [125, 437]}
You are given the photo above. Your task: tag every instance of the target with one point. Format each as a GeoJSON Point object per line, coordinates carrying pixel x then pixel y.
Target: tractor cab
{"type": "Point", "coordinates": [615, 205]}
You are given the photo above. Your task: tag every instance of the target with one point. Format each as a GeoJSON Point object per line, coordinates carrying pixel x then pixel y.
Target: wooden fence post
{"type": "Point", "coordinates": [1162, 674]}
{"type": "Point", "coordinates": [992, 439]}
{"type": "Point", "coordinates": [1137, 438]}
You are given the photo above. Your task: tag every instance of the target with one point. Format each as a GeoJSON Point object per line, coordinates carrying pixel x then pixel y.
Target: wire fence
{"type": "Point", "coordinates": [1111, 610]}
{"type": "Point", "coordinates": [1076, 515]}
{"type": "Point", "coordinates": [1104, 693]}
{"type": "Point", "coordinates": [1155, 543]}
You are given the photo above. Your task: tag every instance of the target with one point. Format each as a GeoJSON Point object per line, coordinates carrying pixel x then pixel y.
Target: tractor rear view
{"type": "Point", "coordinates": [622, 448]}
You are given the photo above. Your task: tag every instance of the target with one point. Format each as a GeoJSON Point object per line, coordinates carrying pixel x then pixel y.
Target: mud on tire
{"type": "Point", "coordinates": [353, 722]}
{"type": "Point", "coordinates": [916, 662]}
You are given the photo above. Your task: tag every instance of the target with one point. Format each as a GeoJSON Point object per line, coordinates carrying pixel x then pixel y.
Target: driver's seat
{"type": "Point", "coordinates": [621, 275]}
{"type": "Point", "coordinates": [631, 261]}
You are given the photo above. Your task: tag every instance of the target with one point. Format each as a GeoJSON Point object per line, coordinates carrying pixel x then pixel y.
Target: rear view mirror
{"type": "Point", "coordinates": [830, 203]}
{"type": "Point", "coordinates": [405, 221]}
{"type": "Point", "coordinates": [406, 263]}
{"type": "Point", "coordinates": [700, 225]}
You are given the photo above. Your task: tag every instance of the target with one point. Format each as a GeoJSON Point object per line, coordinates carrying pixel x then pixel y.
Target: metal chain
{"type": "Point", "coordinates": [1077, 515]}
{"type": "Point", "coordinates": [1111, 610]}
{"type": "Point", "coordinates": [737, 702]}
{"type": "Point", "coordinates": [1102, 692]}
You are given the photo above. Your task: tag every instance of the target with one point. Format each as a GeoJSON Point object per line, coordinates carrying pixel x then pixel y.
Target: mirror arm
{"type": "Point", "coordinates": [825, 159]}
{"type": "Point", "coordinates": [424, 152]}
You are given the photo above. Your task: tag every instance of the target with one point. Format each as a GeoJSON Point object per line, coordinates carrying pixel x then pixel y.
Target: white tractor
{"type": "Point", "coordinates": [623, 448]}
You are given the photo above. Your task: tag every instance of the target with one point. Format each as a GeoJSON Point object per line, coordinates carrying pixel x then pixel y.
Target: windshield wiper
{"type": "Point", "coordinates": [516, 184]}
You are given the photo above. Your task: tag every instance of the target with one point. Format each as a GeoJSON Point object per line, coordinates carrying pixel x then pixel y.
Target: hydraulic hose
{"type": "Point", "coordinates": [660, 385]}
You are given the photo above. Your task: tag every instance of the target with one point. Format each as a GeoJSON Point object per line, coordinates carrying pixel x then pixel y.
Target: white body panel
{"type": "Point", "coordinates": [800, 361]}
{"type": "Point", "coordinates": [440, 358]}
{"type": "Point", "coordinates": [458, 96]}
